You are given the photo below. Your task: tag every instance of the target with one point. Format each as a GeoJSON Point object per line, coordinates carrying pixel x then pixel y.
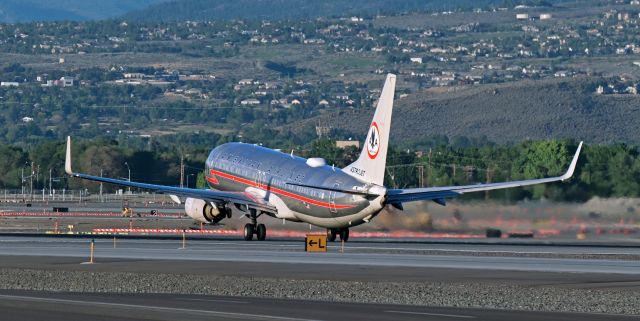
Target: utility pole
{"type": "Point", "coordinates": [31, 183]}
{"type": "Point", "coordinates": [489, 173]}
{"type": "Point", "coordinates": [50, 184]}
{"type": "Point", "coordinates": [430, 173]}
{"type": "Point", "coordinates": [129, 169]}
{"type": "Point", "coordinates": [182, 167]}
{"type": "Point", "coordinates": [22, 181]}
{"type": "Point", "coordinates": [181, 170]}
{"type": "Point", "coordinates": [420, 176]}
{"type": "Point", "coordinates": [101, 200]}
{"type": "Point", "coordinates": [188, 179]}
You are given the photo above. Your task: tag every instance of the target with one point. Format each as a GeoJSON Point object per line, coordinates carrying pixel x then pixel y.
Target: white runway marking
{"type": "Point", "coordinates": [434, 314]}
{"type": "Point", "coordinates": [215, 300]}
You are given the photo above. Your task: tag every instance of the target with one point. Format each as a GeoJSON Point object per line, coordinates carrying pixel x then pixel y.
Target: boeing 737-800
{"type": "Point", "coordinates": [257, 180]}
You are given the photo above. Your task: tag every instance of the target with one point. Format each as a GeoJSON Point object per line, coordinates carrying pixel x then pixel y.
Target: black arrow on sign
{"type": "Point", "coordinates": [312, 243]}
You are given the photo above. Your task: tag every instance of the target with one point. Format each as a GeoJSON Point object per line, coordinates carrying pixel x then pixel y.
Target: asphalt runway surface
{"type": "Point", "coordinates": [37, 305]}
{"type": "Point", "coordinates": [360, 254]}
{"type": "Point", "coordinates": [361, 261]}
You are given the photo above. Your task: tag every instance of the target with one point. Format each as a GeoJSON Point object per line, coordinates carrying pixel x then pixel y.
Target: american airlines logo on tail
{"type": "Point", "coordinates": [373, 143]}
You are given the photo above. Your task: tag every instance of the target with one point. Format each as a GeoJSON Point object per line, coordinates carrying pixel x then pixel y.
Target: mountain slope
{"type": "Point", "coordinates": [505, 113]}
{"type": "Point", "coordinates": [49, 10]}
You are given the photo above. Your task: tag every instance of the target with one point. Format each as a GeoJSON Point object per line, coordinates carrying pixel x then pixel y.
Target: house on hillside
{"type": "Point", "coordinates": [347, 143]}
{"type": "Point", "coordinates": [67, 81]}
{"type": "Point", "coordinates": [250, 102]}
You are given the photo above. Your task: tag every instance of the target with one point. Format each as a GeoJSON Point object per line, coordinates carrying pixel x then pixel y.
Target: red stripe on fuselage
{"type": "Point", "coordinates": [212, 179]}
{"type": "Point", "coordinates": [277, 190]}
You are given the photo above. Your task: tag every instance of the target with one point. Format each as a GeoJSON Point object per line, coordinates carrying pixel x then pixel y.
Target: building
{"type": "Point", "coordinates": [342, 96]}
{"type": "Point", "coordinates": [250, 101]}
{"type": "Point", "coordinates": [66, 81]}
{"type": "Point", "coordinates": [196, 77]}
{"type": "Point", "coordinates": [545, 16]}
{"type": "Point", "coordinates": [133, 75]}
{"type": "Point", "coordinates": [9, 84]}
{"type": "Point", "coordinates": [347, 143]}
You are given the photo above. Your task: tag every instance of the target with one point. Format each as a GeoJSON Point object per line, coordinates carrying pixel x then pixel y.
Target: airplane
{"type": "Point", "coordinates": [255, 181]}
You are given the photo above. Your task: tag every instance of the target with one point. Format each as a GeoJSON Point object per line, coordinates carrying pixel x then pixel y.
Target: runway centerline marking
{"type": "Point", "coordinates": [214, 300]}
{"type": "Point", "coordinates": [151, 307]}
{"type": "Point", "coordinates": [434, 314]}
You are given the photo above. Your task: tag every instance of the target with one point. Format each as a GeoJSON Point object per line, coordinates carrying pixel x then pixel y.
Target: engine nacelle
{"type": "Point", "coordinates": [202, 211]}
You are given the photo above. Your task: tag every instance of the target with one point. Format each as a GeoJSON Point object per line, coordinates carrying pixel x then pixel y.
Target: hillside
{"type": "Point", "coordinates": [201, 10]}
{"type": "Point", "coordinates": [505, 113]}
{"type": "Point", "coordinates": [50, 10]}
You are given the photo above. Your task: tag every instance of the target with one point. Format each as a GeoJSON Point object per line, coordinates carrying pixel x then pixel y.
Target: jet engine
{"type": "Point", "coordinates": [203, 211]}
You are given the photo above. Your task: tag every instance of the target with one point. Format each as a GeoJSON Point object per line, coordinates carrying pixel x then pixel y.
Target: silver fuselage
{"type": "Point", "coordinates": [265, 173]}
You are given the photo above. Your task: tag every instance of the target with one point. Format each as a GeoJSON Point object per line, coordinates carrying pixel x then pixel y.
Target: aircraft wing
{"type": "Point", "coordinates": [438, 194]}
{"type": "Point", "coordinates": [239, 198]}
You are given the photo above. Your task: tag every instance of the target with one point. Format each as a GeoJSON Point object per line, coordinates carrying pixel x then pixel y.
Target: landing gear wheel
{"type": "Point", "coordinates": [261, 232]}
{"type": "Point", "coordinates": [331, 235]}
{"type": "Point", "coordinates": [344, 234]}
{"type": "Point", "coordinates": [248, 232]}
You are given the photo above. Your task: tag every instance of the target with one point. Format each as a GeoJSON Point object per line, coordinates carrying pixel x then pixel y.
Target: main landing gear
{"type": "Point", "coordinates": [254, 228]}
{"type": "Point", "coordinates": [332, 233]}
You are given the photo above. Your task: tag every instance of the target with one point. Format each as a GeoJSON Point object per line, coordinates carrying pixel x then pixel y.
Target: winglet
{"type": "Point", "coordinates": [67, 161]}
{"type": "Point", "coordinates": [572, 167]}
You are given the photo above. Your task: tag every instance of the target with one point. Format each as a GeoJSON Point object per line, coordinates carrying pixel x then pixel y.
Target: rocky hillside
{"type": "Point", "coordinates": [505, 113]}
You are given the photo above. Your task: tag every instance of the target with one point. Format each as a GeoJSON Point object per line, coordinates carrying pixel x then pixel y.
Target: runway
{"type": "Point", "coordinates": [482, 257]}
{"type": "Point", "coordinates": [227, 279]}
{"type": "Point", "coordinates": [22, 305]}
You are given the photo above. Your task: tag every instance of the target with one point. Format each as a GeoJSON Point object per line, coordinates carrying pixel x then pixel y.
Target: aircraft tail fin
{"type": "Point", "coordinates": [370, 166]}
{"type": "Point", "coordinates": [67, 160]}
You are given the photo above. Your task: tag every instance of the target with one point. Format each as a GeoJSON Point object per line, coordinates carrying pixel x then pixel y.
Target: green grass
{"type": "Point", "coordinates": [267, 52]}
{"type": "Point", "coordinates": [354, 62]}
